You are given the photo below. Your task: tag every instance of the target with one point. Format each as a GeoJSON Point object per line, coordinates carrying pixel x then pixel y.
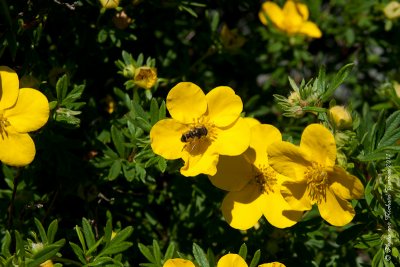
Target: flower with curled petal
{"type": "Point", "coordinates": [314, 176]}
{"type": "Point", "coordinates": [254, 187]}
{"type": "Point", "coordinates": [202, 127]}
{"type": "Point", "coordinates": [292, 19]}
{"type": "Point", "coordinates": [21, 111]}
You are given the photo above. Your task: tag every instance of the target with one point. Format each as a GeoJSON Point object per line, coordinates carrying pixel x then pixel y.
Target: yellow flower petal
{"type": "Point", "coordinates": [30, 112]}
{"type": "Point", "coordinates": [251, 121]}
{"type": "Point", "coordinates": [178, 263]}
{"type": "Point", "coordinates": [335, 210]}
{"type": "Point", "coordinates": [274, 13]}
{"type": "Point", "coordinates": [196, 164]}
{"type": "Point", "coordinates": [241, 209]}
{"type": "Point", "coordinates": [9, 86]}
{"type": "Point", "coordinates": [224, 106]}
{"type": "Point", "coordinates": [303, 10]}
{"type": "Point", "coordinates": [318, 142]}
{"type": "Point", "coordinates": [231, 260]}
{"type": "Point", "coordinates": [233, 140]}
{"type": "Point", "coordinates": [186, 102]}
{"type": "Point", "coordinates": [344, 185]}
{"type": "Point", "coordinates": [233, 173]}
{"type": "Point", "coordinates": [272, 264]}
{"type": "Point", "coordinates": [165, 138]}
{"type": "Point", "coordinates": [262, 136]}
{"type": "Point", "coordinates": [293, 19]}
{"type": "Point", "coordinates": [311, 29]}
{"type": "Point", "coordinates": [288, 159]}
{"type": "Point", "coordinates": [277, 211]}
{"type": "Point", "coordinates": [296, 195]}
{"type": "Point", "coordinates": [16, 149]}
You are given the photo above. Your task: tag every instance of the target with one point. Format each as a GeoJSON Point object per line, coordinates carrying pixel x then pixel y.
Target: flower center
{"type": "Point", "coordinates": [265, 178]}
{"type": "Point", "coordinates": [317, 182]}
{"type": "Point", "coordinates": [199, 137]}
{"type": "Point", "coordinates": [3, 124]}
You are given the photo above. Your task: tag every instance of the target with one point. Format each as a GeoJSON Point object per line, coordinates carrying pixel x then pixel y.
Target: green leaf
{"type": "Point", "coordinates": [157, 253]}
{"type": "Point", "coordinates": [170, 252]}
{"type": "Point", "coordinates": [19, 245]}
{"type": "Point", "coordinates": [147, 253]}
{"type": "Point", "coordinates": [93, 248]}
{"type": "Point", "coordinates": [162, 112]}
{"type": "Point", "coordinates": [88, 233]}
{"type": "Point", "coordinates": [78, 252]}
{"type": "Point", "coordinates": [5, 245]}
{"type": "Point", "coordinates": [101, 261]}
{"type": "Point", "coordinates": [41, 230]}
{"type": "Point", "coordinates": [392, 132]}
{"type": "Point", "coordinates": [211, 257]}
{"type": "Point", "coordinates": [339, 78]}
{"type": "Point", "coordinates": [115, 170]}
{"type": "Point", "coordinates": [52, 230]}
{"type": "Point", "coordinates": [243, 251]}
{"type": "Point", "coordinates": [368, 241]}
{"type": "Point", "coordinates": [200, 256]}
{"type": "Point", "coordinates": [118, 141]}
{"type": "Point", "coordinates": [154, 111]}
{"type": "Point", "coordinates": [162, 164]}
{"type": "Point", "coordinates": [61, 88]}
{"type": "Point", "coordinates": [256, 259]}
{"type": "Point", "coordinates": [80, 237]}
{"type": "Point", "coordinates": [74, 94]}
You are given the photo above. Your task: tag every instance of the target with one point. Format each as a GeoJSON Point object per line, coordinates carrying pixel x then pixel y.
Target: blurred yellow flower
{"type": "Point", "coordinates": [21, 111]}
{"type": "Point", "coordinates": [145, 77]}
{"type": "Point", "coordinates": [315, 179]}
{"type": "Point", "coordinates": [392, 10]}
{"type": "Point", "coordinates": [254, 186]}
{"type": "Point", "coordinates": [228, 260]}
{"type": "Point", "coordinates": [178, 263]}
{"type": "Point", "coordinates": [231, 39]}
{"type": "Point", "coordinates": [202, 127]}
{"type": "Point", "coordinates": [47, 263]}
{"type": "Point", "coordinates": [109, 4]}
{"type": "Point", "coordinates": [292, 19]}
{"type": "Point", "coordinates": [340, 117]}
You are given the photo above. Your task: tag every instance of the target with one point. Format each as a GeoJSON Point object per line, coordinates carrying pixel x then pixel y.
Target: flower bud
{"type": "Point", "coordinates": [145, 77]}
{"type": "Point", "coordinates": [340, 117]}
{"type": "Point", "coordinates": [392, 10]}
{"type": "Point", "coordinates": [121, 20]}
{"type": "Point", "coordinates": [109, 4]}
{"type": "Point", "coordinates": [47, 263]}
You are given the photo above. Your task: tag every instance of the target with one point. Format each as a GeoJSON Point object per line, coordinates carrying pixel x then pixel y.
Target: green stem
{"type": "Point", "coordinates": [14, 193]}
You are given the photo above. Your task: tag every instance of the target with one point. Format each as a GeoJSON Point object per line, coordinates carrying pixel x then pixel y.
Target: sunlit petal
{"type": "Point", "coordinates": [186, 102]}
{"type": "Point", "coordinates": [318, 142]}
{"type": "Point", "coordinates": [30, 112]}
{"type": "Point", "coordinates": [345, 185]}
{"type": "Point", "coordinates": [296, 195]}
{"type": "Point", "coordinates": [233, 173]}
{"type": "Point", "coordinates": [288, 159]}
{"type": "Point", "coordinates": [9, 86]}
{"type": "Point", "coordinates": [23, 149]}
{"type": "Point", "coordinates": [165, 137]}
{"type": "Point", "coordinates": [273, 206]}
{"type": "Point", "coordinates": [240, 209]}
{"type": "Point", "coordinates": [335, 210]}
{"type": "Point", "coordinates": [262, 136]}
{"type": "Point", "coordinates": [196, 164]}
{"type": "Point", "coordinates": [231, 260]}
{"type": "Point", "coordinates": [272, 264]}
{"type": "Point", "coordinates": [233, 140]}
{"type": "Point", "coordinates": [224, 106]}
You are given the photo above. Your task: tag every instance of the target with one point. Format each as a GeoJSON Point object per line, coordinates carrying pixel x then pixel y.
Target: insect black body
{"type": "Point", "coordinates": [196, 132]}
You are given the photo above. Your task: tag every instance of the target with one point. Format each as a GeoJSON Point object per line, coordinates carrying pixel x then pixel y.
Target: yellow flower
{"type": "Point", "coordinates": [392, 10]}
{"type": "Point", "coordinates": [340, 117]}
{"type": "Point", "coordinates": [231, 39]}
{"type": "Point", "coordinates": [202, 127]}
{"type": "Point", "coordinates": [47, 263]}
{"type": "Point", "coordinates": [315, 179]}
{"type": "Point", "coordinates": [21, 111]}
{"type": "Point", "coordinates": [178, 263]}
{"type": "Point", "coordinates": [109, 4]}
{"type": "Point", "coordinates": [254, 186]}
{"type": "Point", "coordinates": [145, 77]}
{"type": "Point", "coordinates": [229, 260]}
{"type": "Point", "coordinates": [292, 19]}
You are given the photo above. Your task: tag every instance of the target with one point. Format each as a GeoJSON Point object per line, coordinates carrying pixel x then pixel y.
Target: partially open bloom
{"type": "Point", "coordinates": [202, 127]}
{"type": "Point", "coordinates": [392, 10]}
{"type": "Point", "coordinates": [228, 260]}
{"type": "Point", "coordinates": [21, 111]}
{"type": "Point", "coordinates": [109, 4]}
{"type": "Point", "coordinates": [254, 186]}
{"type": "Point", "coordinates": [145, 77]}
{"type": "Point", "coordinates": [315, 178]}
{"type": "Point", "coordinates": [292, 19]}
{"type": "Point", "coordinates": [340, 117]}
